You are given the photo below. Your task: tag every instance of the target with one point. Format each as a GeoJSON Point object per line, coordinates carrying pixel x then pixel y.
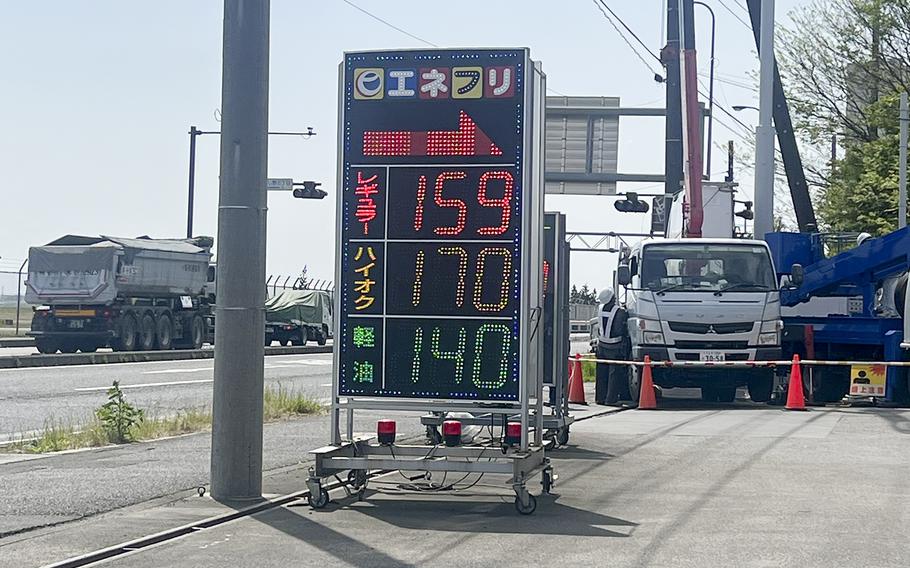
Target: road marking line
{"type": "Point", "coordinates": [144, 385]}
{"type": "Point", "coordinates": [177, 371]}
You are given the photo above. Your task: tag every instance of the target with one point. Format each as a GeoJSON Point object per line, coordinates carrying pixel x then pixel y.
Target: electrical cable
{"type": "Point", "coordinates": [735, 15]}
{"type": "Point", "coordinates": [391, 25]}
{"type": "Point", "coordinates": [600, 5]}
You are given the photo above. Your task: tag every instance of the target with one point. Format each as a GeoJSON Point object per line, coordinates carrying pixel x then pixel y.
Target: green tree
{"type": "Point", "coordinates": [843, 63]}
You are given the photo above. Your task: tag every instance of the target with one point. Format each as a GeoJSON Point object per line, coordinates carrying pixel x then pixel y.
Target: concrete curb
{"type": "Point", "coordinates": [63, 360]}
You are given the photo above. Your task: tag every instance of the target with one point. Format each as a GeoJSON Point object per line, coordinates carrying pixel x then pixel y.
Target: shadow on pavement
{"type": "Point", "coordinates": [341, 546]}
{"type": "Point", "coordinates": [477, 513]}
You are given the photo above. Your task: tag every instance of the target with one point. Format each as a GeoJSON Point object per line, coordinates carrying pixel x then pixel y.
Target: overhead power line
{"type": "Point", "coordinates": [735, 15]}
{"type": "Point", "coordinates": [628, 29]}
{"type": "Point", "coordinates": [391, 25]}
{"type": "Point", "coordinates": [600, 6]}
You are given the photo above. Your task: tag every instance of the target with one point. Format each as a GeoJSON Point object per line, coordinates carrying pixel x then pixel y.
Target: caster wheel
{"type": "Point", "coordinates": [433, 435]}
{"type": "Point", "coordinates": [526, 510]}
{"type": "Point", "coordinates": [547, 480]}
{"type": "Point", "coordinates": [357, 478]}
{"type": "Point", "coordinates": [320, 501]}
{"type": "Point", "coordinates": [562, 437]}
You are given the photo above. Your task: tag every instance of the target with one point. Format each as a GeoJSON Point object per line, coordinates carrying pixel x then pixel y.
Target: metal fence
{"type": "Point", "coordinates": [276, 282]}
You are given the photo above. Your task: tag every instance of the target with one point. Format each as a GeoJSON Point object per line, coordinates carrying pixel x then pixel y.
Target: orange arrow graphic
{"type": "Point", "coordinates": [468, 140]}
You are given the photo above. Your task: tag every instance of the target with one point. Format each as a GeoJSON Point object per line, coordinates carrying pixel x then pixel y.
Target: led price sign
{"type": "Point", "coordinates": [431, 208]}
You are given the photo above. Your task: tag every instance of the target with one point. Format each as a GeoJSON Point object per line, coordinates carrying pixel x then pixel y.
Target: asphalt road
{"type": "Point", "coordinates": [695, 485]}
{"type": "Point", "coordinates": [33, 397]}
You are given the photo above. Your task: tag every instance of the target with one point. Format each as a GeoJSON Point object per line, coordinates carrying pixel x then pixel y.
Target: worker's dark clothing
{"type": "Point", "coordinates": [611, 344]}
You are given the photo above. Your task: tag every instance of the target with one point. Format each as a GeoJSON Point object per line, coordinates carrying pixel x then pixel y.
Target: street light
{"type": "Point", "coordinates": [739, 108]}
{"type": "Point", "coordinates": [194, 132]}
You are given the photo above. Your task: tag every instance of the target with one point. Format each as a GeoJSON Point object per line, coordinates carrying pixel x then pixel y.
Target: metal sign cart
{"type": "Point", "coordinates": [439, 244]}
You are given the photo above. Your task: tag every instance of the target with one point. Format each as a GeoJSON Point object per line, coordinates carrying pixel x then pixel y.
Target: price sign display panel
{"type": "Point", "coordinates": [433, 221]}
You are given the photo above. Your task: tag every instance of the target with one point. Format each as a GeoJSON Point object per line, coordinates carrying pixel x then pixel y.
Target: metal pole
{"type": "Point", "coordinates": [673, 161]}
{"type": "Point", "coordinates": [692, 120]}
{"type": "Point", "coordinates": [902, 183]}
{"type": "Point", "coordinates": [19, 293]}
{"type": "Point", "coordinates": [729, 161]}
{"type": "Point", "coordinates": [236, 457]}
{"type": "Point", "coordinates": [192, 184]}
{"type": "Point", "coordinates": [710, 93]}
{"type": "Point", "coordinates": [764, 133]}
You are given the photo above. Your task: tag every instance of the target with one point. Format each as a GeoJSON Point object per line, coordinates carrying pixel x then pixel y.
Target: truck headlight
{"type": "Point", "coordinates": [652, 337]}
{"type": "Point", "coordinates": [771, 326]}
{"type": "Point", "coordinates": [772, 338]}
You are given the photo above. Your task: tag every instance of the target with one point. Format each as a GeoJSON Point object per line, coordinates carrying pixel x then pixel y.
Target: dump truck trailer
{"type": "Point", "coordinates": [137, 294]}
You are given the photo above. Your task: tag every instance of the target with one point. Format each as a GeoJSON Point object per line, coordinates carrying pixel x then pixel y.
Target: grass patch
{"type": "Point", "coordinates": [283, 402]}
{"type": "Point", "coordinates": [588, 371]}
{"type": "Point", "coordinates": [279, 403]}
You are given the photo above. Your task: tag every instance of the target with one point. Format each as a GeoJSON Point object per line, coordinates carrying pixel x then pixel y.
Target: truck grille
{"type": "Point", "coordinates": [705, 328]}
{"type": "Point", "coordinates": [707, 345]}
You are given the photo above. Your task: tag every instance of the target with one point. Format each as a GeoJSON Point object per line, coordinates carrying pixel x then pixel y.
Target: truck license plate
{"type": "Point", "coordinates": [76, 324]}
{"type": "Point", "coordinates": [712, 356]}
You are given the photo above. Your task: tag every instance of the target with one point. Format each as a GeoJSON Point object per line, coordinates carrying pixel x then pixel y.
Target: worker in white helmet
{"type": "Point", "coordinates": [611, 344]}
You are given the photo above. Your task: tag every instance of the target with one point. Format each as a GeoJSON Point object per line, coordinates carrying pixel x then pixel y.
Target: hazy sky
{"type": "Point", "coordinates": [98, 97]}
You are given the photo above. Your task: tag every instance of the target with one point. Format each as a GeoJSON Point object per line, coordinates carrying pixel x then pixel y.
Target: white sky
{"type": "Point", "coordinates": [98, 96]}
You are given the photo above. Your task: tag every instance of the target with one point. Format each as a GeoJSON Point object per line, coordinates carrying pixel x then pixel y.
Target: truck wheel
{"type": "Point", "coordinates": [147, 333]}
{"type": "Point", "coordinates": [127, 336]}
{"type": "Point", "coordinates": [197, 331]}
{"type": "Point", "coordinates": [708, 394]}
{"type": "Point", "coordinates": [634, 383]}
{"type": "Point", "coordinates": [46, 346]}
{"type": "Point", "coordinates": [726, 394]}
{"type": "Point", "coordinates": [833, 384]}
{"type": "Point", "coordinates": [68, 347]}
{"type": "Point", "coordinates": [323, 336]}
{"type": "Point", "coordinates": [164, 333]}
{"type": "Point", "coordinates": [760, 386]}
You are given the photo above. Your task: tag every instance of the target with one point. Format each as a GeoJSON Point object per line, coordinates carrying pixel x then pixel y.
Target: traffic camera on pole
{"type": "Point", "coordinates": [309, 190]}
{"type": "Point", "coordinates": [631, 204]}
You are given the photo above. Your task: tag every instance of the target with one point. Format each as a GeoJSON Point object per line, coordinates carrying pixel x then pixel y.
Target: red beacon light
{"type": "Point", "coordinates": [513, 433]}
{"type": "Point", "coordinates": [451, 432]}
{"type": "Point", "coordinates": [385, 431]}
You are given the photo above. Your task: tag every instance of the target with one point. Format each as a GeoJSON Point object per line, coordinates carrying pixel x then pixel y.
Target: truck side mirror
{"type": "Point", "coordinates": [623, 275]}
{"type": "Point", "coordinates": [797, 274]}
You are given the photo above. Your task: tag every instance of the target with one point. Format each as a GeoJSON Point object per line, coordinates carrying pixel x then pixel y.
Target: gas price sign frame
{"type": "Point", "coordinates": [439, 210]}
{"type": "Point", "coordinates": [438, 301]}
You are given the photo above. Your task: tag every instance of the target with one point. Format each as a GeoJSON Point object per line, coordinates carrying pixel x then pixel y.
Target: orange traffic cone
{"type": "Point", "coordinates": [576, 382]}
{"type": "Point", "coordinates": [795, 398]}
{"type": "Point", "coordinates": [646, 398]}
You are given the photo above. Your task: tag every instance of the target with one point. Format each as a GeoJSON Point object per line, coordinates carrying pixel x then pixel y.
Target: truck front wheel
{"type": "Point", "coordinates": [323, 336]}
{"type": "Point", "coordinates": [634, 383]}
{"type": "Point", "coordinates": [760, 386]}
{"type": "Point", "coordinates": [197, 329]}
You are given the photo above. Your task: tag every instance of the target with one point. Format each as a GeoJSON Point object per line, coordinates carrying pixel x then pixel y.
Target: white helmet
{"type": "Point", "coordinates": [606, 296]}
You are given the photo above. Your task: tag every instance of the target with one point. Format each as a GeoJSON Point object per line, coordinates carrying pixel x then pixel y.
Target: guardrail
{"type": "Point", "coordinates": [17, 342]}
{"type": "Point", "coordinates": [63, 360]}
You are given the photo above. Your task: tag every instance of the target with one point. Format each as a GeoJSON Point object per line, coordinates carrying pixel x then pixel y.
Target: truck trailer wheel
{"type": "Point", "coordinates": [127, 335]}
{"type": "Point", "coordinates": [46, 346]}
{"type": "Point", "coordinates": [147, 333]}
{"type": "Point", "coordinates": [164, 333]}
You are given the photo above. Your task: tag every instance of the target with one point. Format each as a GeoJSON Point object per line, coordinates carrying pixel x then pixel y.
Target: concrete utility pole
{"type": "Point", "coordinates": [764, 134]}
{"type": "Point", "coordinates": [902, 189]}
{"type": "Point", "coordinates": [673, 149]}
{"type": "Point", "coordinates": [239, 320]}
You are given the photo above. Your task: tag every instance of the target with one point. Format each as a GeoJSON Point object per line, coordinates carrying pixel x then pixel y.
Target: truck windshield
{"type": "Point", "coordinates": [706, 267]}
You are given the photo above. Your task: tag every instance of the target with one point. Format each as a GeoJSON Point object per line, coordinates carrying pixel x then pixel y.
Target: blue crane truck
{"type": "Point", "coordinates": [844, 306]}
